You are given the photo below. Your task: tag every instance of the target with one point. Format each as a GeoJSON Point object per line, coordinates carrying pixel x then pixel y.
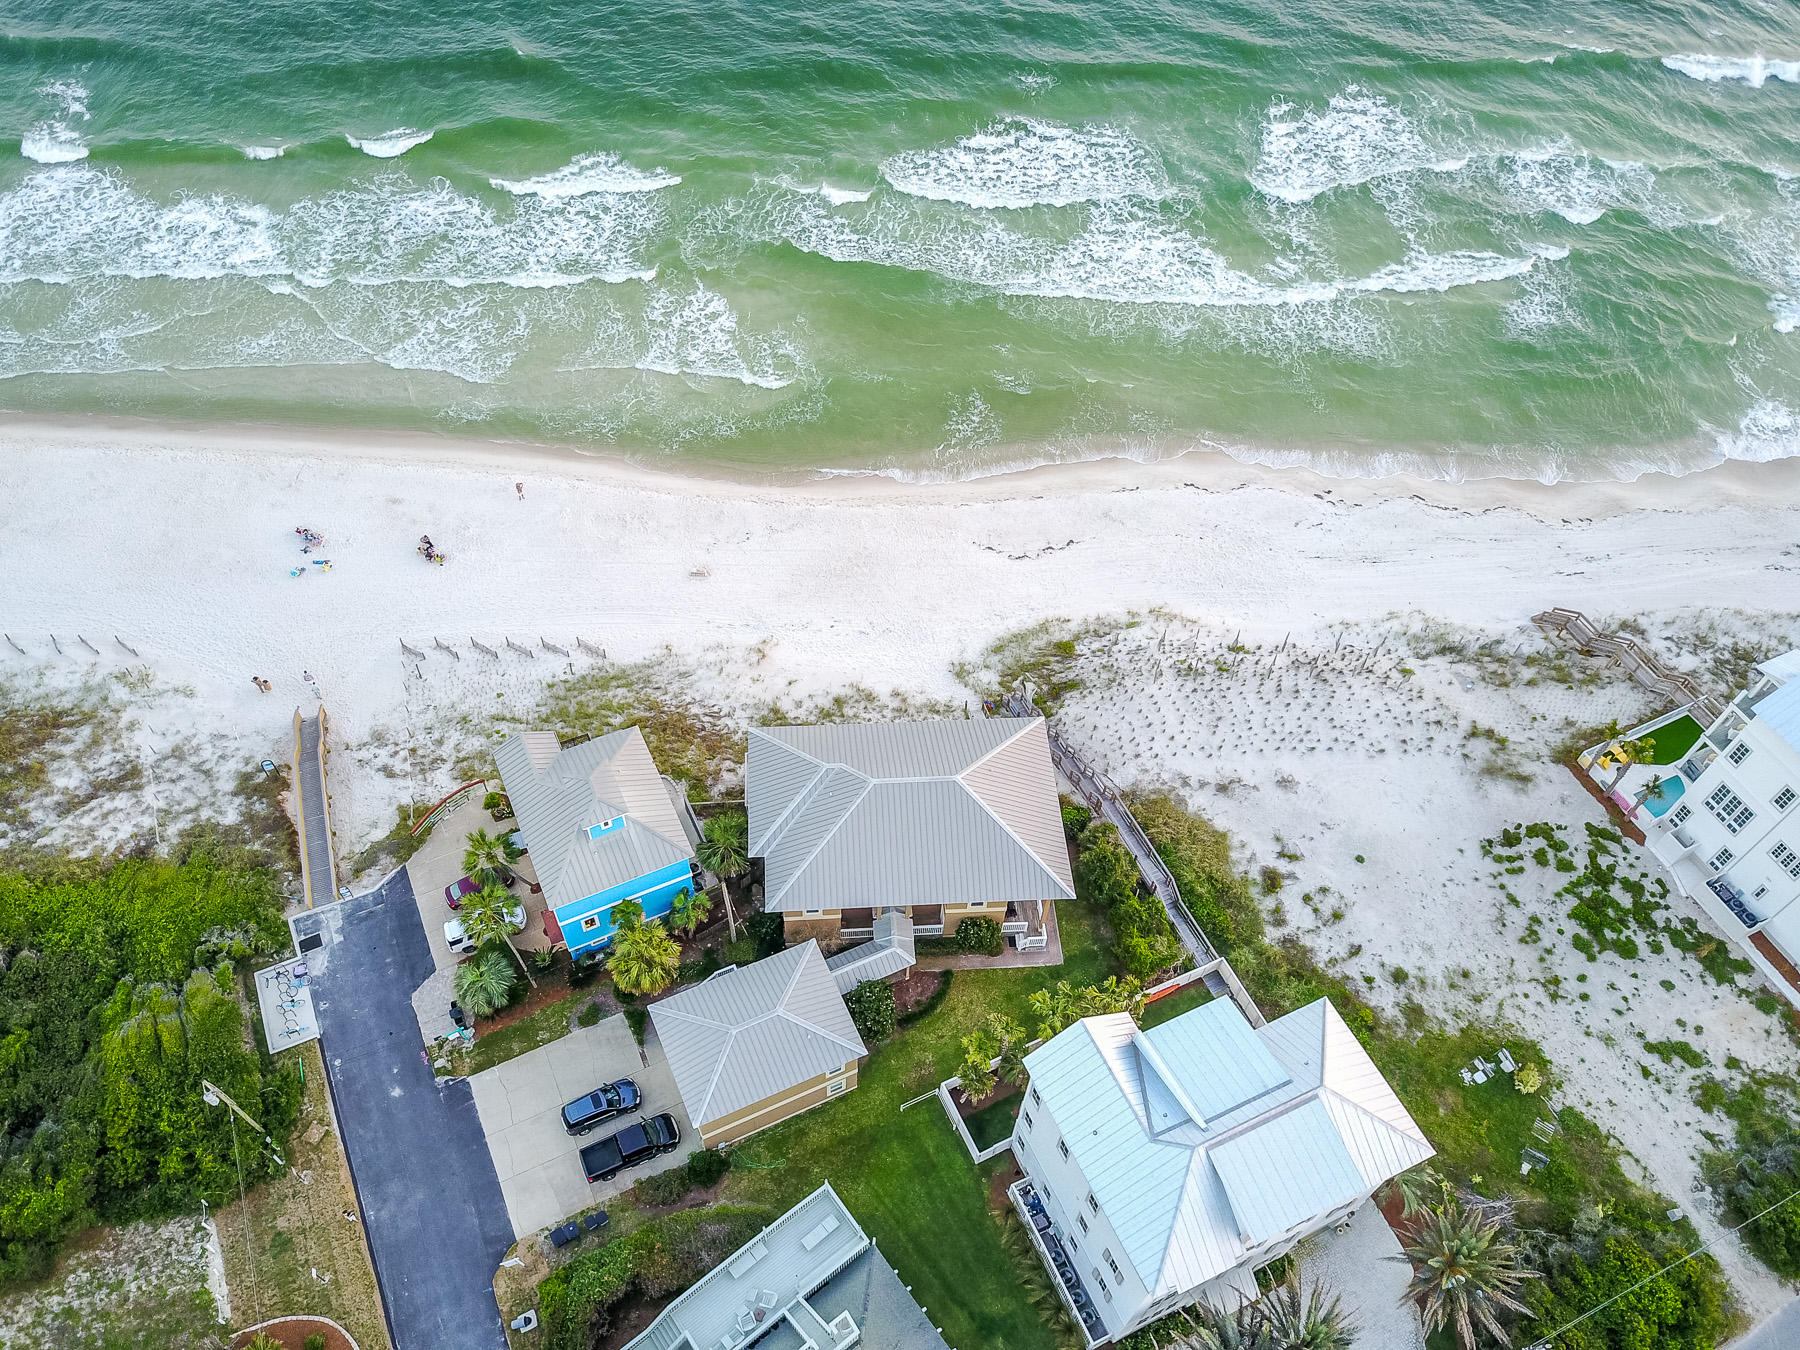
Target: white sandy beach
{"type": "Point", "coordinates": [180, 542]}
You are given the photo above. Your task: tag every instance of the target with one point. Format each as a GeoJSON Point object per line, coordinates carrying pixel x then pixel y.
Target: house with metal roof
{"type": "Point", "coordinates": [753, 1045]}
{"type": "Point", "coordinates": [939, 821]}
{"type": "Point", "coordinates": [601, 828]}
{"type": "Point", "coordinates": [1719, 804]}
{"type": "Point", "coordinates": [812, 1278]}
{"type": "Point", "coordinates": [1166, 1166]}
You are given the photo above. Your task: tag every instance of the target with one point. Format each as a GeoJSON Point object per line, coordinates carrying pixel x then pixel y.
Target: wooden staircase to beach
{"type": "Point", "coordinates": [1624, 652]}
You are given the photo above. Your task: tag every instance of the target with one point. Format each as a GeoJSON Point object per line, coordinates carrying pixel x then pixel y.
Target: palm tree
{"type": "Point", "coordinates": [644, 958]}
{"type": "Point", "coordinates": [490, 858]}
{"type": "Point", "coordinates": [1416, 1188]}
{"type": "Point", "coordinates": [724, 848]}
{"type": "Point", "coordinates": [1303, 1320]}
{"type": "Point", "coordinates": [487, 917]}
{"type": "Point", "coordinates": [483, 984]}
{"type": "Point", "coordinates": [1462, 1274]}
{"type": "Point", "coordinates": [1216, 1329]}
{"type": "Point", "coordinates": [689, 910]}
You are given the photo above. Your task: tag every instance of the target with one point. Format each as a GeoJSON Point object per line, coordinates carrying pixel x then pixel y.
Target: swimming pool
{"type": "Point", "coordinates": [1667, 793]}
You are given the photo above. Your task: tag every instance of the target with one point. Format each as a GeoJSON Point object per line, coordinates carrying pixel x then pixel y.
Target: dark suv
{"type": "Point", "coordinates": [632, 1145]}
{"type": "Point", "coordinates": [601, 1105]}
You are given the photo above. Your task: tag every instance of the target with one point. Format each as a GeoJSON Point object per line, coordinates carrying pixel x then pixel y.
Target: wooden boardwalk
{"type": "Point", "coordinates": [318, 868]}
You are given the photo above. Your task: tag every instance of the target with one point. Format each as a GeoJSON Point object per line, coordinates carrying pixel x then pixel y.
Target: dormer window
{"type": "Point", "coordinates": [605, 827]}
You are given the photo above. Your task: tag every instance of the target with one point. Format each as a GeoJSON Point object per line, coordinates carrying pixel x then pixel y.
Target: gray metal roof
{"type": "Point", "coordinates": [751, 1032]}
{"type": "Point", "coordinates": [872, 1293]}
{"type": "Point", "coordinates": [557, 794]}
{"type": "Point", "coordinates": [900, 813]}
{"type": "Point", "coordinates": [887, 953]}
{"type": "Point", "coordinates": [1132, 1108]}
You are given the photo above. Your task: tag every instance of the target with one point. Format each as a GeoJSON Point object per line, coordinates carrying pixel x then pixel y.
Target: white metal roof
{"type": "Point", "coordinates": [1783, 668]}
{"type": "Point", "coordinates": [1780, 712]}
{"type": "Point", "coordinates": [887, 953]}
{"type": "Point", "coordinates": [558, 794]}
{"type": "Point", "coordinates": [900, 813]}
{"type": "Point", "coordinates": [748, 1033]}
{"type": "Point", "coordinates": [1303, 1119]}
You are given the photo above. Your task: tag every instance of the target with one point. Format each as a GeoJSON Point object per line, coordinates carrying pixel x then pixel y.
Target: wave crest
{"type": "Point", "coordinates": [594, 171]}
{"type": "Point", "coordinates": [390, 145]}
{"type": "Point", "coordinates": [1754, 71]}
{"type": "Point", "coordinates": [1358, 137]}
{"type": "Point", "coordinates": [1020, 161]}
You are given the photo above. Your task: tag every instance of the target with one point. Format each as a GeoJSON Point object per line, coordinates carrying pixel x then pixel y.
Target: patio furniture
{"type": "Point", "coordinates": [1507, 1062]}
{"type": "Point", "coordinates": [1467, 1077]}
{"type": "Point", "coordinates": [766, 1300]}
{"type": "Point", "coordinates": [745, 1320]}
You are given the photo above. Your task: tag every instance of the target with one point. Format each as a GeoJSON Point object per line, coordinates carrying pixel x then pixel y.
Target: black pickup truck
{"type": "Point", "coordinates": [630, 1146]}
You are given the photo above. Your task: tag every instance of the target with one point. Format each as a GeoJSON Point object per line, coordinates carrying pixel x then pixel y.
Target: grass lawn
{"type": "Point", "coordinates": [994, 1122]}
{"type": "Point", "coordinates": [1171, 1006]}
{"type": "Point", "coordinates": [296, 1226]}
{"type": "Point", "coordinates": [548, 1023]}
{"type": "Point", "coordinates": [1675, 740]}
{"type": "Point", "coordinates": [906, 1176]}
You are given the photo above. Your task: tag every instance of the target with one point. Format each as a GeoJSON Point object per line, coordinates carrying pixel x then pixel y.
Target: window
{"type": "Point", "coordinates": [1026, 1117]}
{"type": "Point", "coordinates": [1082, 1220]}
{"type": "Point", "coordinates": [1074, 1246]}
{"type": "Point", "coordinates": [1099, 1279]}
{"type": "Point", "coordinates": [1113, 1266]}
{"type": "Point", "coordinates": [1093, 1204]}
{"type": "Point", "coordinates": [1682, 813]}
{"type": "Point", "coordinates": [590, 923]}
{"type": "Point", "coordinates": [1759, 892]}
{"type": "Point", "coordinates": [834, 1088]}
{"type": "Point", "coordinates": [1786, 859]}
{"type": "Point", "coordinates": [1062, 1148]}
{"type": "Point", "coordinates": [1035, 1099]}
{"type": "Point", "coordinates": [605, 826]}
{"type": "Point", "coordinates": [1739, 753]}
{"type": "Point", "coordinates": [1719, 859]}
{"type": "Point", "coordinates": [1729, 808]}
{"type": "Point", "coordinates": [1784, 799]}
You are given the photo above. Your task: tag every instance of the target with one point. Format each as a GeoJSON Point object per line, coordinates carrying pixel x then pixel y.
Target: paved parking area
{"type": "Point", "coordinates": [520, 1103]}
{"type": "Point", "coordinates": [431, 1203]}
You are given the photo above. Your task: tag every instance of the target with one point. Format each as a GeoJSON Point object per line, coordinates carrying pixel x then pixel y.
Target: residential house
{"type": "Point", "coordinates": [812, 1278]}
{"type": "Point", "coordinates": [601, 826]}
{"type": "Point", "coordinates": [940, 821]}
{"type": "Point", "coordinates": [1724, 818]}
{"type": "Point", "coordinates": [752, 1045]}
{"type": "Point", "coordinates": [1166, 1166]}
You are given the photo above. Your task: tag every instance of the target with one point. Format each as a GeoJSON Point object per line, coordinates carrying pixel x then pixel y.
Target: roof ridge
{"type": "Point", "coordinates": [1008, 830]}
{"type": "Point", "coordinates": [997, 746]}
{"type": "Point", "coordinates": [825, 838]}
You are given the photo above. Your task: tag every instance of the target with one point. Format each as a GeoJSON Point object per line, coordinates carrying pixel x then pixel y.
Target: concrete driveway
{"type": "Point", "coordinates": [520, 1103]}
{"type": "Point", "coordinates": [432, 1206]}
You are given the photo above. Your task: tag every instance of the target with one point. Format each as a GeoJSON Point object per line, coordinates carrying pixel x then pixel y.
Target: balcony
{"type": "Point", "coordinates": [1058, 1261]}
{"type": "Point", "coordinates": [1733, 899]}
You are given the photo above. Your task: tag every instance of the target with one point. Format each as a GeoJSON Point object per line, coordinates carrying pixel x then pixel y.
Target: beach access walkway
{"type": "Point", "coordinates": [318, 868]}
{"type": "Point", "coordinates": [1104, 799]}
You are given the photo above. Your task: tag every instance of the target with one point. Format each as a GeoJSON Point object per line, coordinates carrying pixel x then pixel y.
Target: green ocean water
{"type": "Point", "coordinates": [1456, 237]}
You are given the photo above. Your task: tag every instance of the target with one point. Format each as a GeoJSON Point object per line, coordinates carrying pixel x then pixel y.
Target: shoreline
{"type": "Point", "coordinates": [1733, 483]}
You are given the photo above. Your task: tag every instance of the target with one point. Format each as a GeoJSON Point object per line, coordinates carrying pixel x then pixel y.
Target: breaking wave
{"type": "Point", "coordinates": [391, 145]}
{"type": "Point", "coordinates": [595, 171]}
{"type": "Point", "coordinates": [54, 140]}
{"type": "Point", "coordinates": [1358, 137]}
{"type": "Point", "coordinates": [1022, 162]}
{"type": "Point", "coordinates": [1754, 71]}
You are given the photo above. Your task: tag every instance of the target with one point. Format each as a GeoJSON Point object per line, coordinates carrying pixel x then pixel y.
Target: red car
{"type": "Point", "coordinates": [456, 890]}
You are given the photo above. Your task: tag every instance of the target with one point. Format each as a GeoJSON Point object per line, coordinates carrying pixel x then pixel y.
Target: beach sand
{"type": "Point", "coordinates": [179, 542]}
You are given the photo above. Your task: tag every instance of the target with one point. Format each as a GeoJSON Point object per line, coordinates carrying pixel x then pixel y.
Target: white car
{"type": "Point", "coordinates": [458, 941]}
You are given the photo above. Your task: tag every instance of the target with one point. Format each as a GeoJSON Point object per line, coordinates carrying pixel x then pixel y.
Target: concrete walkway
{"type": "Point", "coordinates": [1050, 954]}
{"type": "Point", "coordinates": [1355, 1265]}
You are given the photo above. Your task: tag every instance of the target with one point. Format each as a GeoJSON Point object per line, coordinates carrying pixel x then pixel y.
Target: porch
{"type": "Point", "coordinates": [1050, 1249]}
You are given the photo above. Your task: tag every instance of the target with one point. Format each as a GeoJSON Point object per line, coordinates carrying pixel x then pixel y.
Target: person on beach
{"type": "Point", "coordinates": [520, 489]}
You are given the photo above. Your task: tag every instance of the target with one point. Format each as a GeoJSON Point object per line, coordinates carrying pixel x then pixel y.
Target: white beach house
{"type": "Point", "coordinates": [1724, 817]}
{"type": "Point", "coordinates": [1164, 1167]}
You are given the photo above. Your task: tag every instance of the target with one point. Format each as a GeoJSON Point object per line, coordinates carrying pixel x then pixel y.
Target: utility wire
{"type": "Point", "coordinates": [1544, 1343]}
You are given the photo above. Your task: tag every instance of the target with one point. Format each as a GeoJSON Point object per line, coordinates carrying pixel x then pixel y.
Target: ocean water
{"type": "Point", "coordinates": [1454, 237]}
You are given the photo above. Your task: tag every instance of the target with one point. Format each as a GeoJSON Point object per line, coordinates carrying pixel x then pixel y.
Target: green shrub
{"type": "Point", "coordinates": [931, 1004]}
{"type": "Point", "coordinates": [588, 1016]}
{"type": "Point", "coordinates": [979, 937]}
{"type": "Point", "coordinates": [637, 1019]}
{"type": "Point", "coordinates": [664, 1188]}
{"type": "Point", "coordinates": [708, 1167]}
{"type": "Point", "coordinates": [769, 933]}
{"type": "Point", "coordinates": [497, 805]}
{"type": "Point", "coordinates": [739, 953]}
{"type": "Point", "coordinates": [1075, 818]}
{"type": "Point", "coordinates": [1107, 875]}
{"type": "Point", "coordinates": [871, 1006]}
{"type": "Point", "coordinates": [316, 1341]}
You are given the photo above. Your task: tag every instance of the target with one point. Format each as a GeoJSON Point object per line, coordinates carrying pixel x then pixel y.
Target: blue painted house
{"type": "Point", "coordinates": [601, 828]}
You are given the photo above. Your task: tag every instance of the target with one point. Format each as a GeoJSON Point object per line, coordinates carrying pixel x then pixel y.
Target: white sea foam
{"type": "Point", "coordinates": [1034, 81]}
{"type": "Point", "coordinates": [76, 221]}
{"type": "Point", "coordinates": [1358, 137]}
{"type": "Point", "coordinates": [1125, 255]}
{"type": "Point", "coordinates": [1770, 430]}
{"type": "Point", "coordinates": [1022, 162]}
{"type": "Point", "coordinates": [54, 139]}
{"type": "Point", "coordinates": [1754, 71]}
{"type": "Point", "coordinates": [594, 171]}
{"type": "Point", "coordinates": [686, 331]}
{"type": "Point", "coordinates": [1580, 188]}
{"type": "Point", "coordinates": [395, 143]}
{"type": "Point", "coordinates": [264, 151]}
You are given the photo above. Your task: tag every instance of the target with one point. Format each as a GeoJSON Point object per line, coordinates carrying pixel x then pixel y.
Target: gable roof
{"type": "Point", "coordinates": [838, 812]}
{"type": "Point", "coordinates": [1302, 1121]}
{"type": "Point", "coordinates": [750, 1032]}
{"type": "Point", "coordinates": [559, 792]}
{"type": "Point", "coordinates": [888, 952]}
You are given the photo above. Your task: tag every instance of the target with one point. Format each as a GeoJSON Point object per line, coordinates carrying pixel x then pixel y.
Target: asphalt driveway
{"type": "Point", "coordinates": [431, 1201]}
{"type": "Point", "coordinates": [520, 1104]}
